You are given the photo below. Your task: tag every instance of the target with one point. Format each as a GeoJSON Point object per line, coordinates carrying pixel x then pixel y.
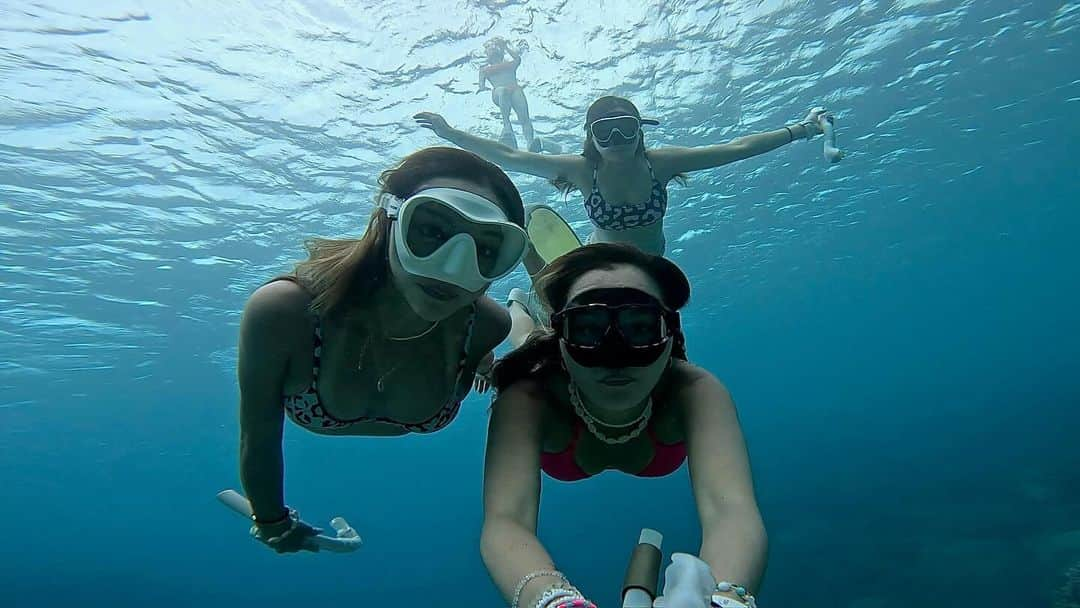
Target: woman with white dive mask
{"type": "Point", "coordinates": [379, 335]}
{"type": "Point", "coordinates": [448, 246]}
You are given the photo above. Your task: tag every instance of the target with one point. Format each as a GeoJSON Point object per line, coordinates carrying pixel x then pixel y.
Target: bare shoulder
{"type": "Point", "coordinates": [492, 325]}
{"type": "Point", "coordinates": [527, 389]}
{"type": "Point", "coordinates": [666, 161]}
{"type": "Point", "coordinates": [275, 324]}
{"type": "Point", "coordinates": [276, 306]}
{"type": "Point", "coordinates": [688, 379]}
{"type": "Point", "coordinates": [701, 398]}
{"type": "Point", "coordinates": [522, 401]}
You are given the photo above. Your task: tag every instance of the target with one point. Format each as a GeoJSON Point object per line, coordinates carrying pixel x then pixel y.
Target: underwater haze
{"type": "Point", "coordinates": [900, 331]}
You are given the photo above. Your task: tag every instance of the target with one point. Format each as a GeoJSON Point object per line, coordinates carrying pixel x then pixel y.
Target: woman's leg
{"type": "Point", "coordinates": [521, 321]}
{"type": "Point", "coordinates": [502, 98]}
{"type": "Point", "coordinates": [521, 108]}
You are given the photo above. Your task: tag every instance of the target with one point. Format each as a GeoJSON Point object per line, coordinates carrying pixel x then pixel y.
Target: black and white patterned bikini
{"type": "Point", "coordinates": [635, 215]}
{"type": "Point", "coordinates": [306, 409]}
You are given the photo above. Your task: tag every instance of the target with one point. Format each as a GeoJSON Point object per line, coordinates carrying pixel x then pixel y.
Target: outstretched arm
{"type": "Point", "coordinates": [671, 161]}
{"type": "Point", "coordinates": [508, 542]}
{"type": "Point", "coordinates": [734, 543]}
{"type": "Point", "coordinates": [548, 166]}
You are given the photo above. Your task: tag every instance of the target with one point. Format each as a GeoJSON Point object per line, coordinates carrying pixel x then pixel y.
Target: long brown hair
{"type": "Point", "coordinates": [540, 352]}
{"type": "Point", "coordinates": [342, 271]}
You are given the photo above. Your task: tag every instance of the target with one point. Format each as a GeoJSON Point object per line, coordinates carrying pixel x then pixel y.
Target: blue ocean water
{"type": "Point", "coordinates": [899, 331]}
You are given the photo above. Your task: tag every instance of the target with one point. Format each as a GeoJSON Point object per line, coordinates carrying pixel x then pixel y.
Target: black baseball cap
{"type": "Point", "coordinates": [610, 105]}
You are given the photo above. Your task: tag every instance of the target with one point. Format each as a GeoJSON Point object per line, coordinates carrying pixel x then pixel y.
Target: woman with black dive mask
{"type": "Point", "coordinates": [378, 335]}
{"type": "Point", "coordinates": [609, 387]}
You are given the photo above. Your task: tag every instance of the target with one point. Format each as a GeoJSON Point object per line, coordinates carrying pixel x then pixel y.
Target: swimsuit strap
{"type": "Point", "coordinates": [316, 355]}
{"type": "Point", "coordinates": [649, 164]}
{"type": "Point", "coordinates": [470, 325]}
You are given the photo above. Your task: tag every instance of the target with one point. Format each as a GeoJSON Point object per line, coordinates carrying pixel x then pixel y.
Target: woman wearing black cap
{"type": "Point", "coordinates": [609, 388]}
{"type": "Point", "coordinates": [625, 186]}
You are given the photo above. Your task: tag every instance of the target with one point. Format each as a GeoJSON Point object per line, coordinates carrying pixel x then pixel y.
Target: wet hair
{"type": "Point", "coordinates": [603, 107]}
{"type": "Point", "coordinates": [338, 272]}
{"type": "Point", "coordinates": [493, 42]}
{"type": "Point", "coordinates": [540, 354]}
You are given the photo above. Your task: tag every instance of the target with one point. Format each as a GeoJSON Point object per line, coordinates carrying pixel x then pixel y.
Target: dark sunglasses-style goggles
{"type": "Point", "coordinates": [623, 335]}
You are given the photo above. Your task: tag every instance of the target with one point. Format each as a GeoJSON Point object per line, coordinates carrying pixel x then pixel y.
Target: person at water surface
{"type": "Point", "coordinates": [506, 92]}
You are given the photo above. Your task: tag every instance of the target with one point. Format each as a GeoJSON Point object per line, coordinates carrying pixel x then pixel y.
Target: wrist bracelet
{"type": "Point", "coordinates": [530, 576]}
{"type": "Point", "coordinates": [272, 522]}
{"type": "Point", "coordinates": [739, 590]}
{"type": "Point", "coordinates": [790, 134]}
{"type": "Point", "coordinates": [557, 595]}
{"type": "Point", "coordinates": [257, 530]}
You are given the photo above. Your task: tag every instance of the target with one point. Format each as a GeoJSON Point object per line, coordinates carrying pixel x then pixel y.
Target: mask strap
{"type": "Point", "coordinates": [392, 204]}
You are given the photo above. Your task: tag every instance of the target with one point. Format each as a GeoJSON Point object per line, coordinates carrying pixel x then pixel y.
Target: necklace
{"type": "Point", "coordinates": [419, 335]}
{"type": "Point", "coordinates": [638, 423]}
{"type": "Point", "coordinates": [363, 351]}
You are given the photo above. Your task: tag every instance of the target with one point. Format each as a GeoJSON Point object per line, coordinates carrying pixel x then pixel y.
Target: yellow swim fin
{"type": "Point", "coordinates": [549, 233]}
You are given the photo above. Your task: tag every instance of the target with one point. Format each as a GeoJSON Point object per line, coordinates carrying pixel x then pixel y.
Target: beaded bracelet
{"type": "Point", "coordinates": [739, 590]}
{"type": "Point", "coordinates": [557, 593]}
{"type": "Point", "coordinates": [530, 576]}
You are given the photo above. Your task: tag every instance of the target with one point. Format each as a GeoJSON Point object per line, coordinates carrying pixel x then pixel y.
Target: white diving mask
{"type": "Point", "coordinates": [457, 237]}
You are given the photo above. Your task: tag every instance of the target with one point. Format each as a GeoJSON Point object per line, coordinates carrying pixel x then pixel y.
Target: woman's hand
{"type": "Point", "coordinates": [812, 122]}
{"type": "Point", "coordinates": [435, 122]}
{"type": "Point", "coordinates": [289, 536]}
{"type": "Point", "coordinates": [482, 381]}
